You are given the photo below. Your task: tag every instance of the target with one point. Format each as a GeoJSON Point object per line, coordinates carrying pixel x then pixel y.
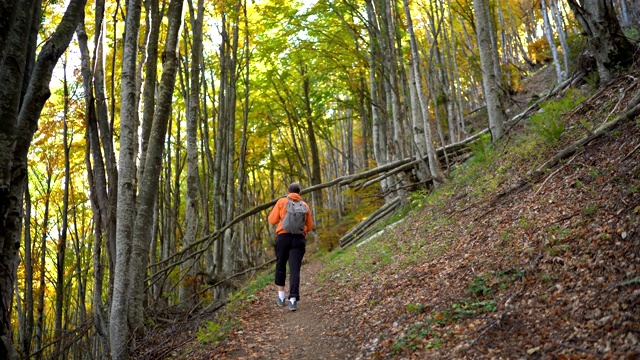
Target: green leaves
{"type": "Point", "coordinates": [548, 123]}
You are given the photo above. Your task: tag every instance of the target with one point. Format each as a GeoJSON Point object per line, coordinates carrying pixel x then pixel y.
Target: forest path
{"type": "Point", "coordinates": [317, 330]}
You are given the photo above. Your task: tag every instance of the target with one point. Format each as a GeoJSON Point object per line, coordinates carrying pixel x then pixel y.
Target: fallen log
{"type": "Point", "coordinates": [459, 150]}
{"type": "Point", "coordinates": [533, 175]}
{"type": "Point", "coordinates": [366, 232]}
{"type": "Point", "coordinates": [163, 267]}
{"type": "Point", "coordinates": [357, 230]}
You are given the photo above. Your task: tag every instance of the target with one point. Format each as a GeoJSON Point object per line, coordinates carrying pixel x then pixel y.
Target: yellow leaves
{"type": "Point", "coordinates": [539, 50]}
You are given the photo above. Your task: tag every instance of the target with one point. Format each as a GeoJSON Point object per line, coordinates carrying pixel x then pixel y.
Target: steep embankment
{"type": "Point", "coordinates": [550, 269]}
{"type": "Point", "coordinates": [499, 263]}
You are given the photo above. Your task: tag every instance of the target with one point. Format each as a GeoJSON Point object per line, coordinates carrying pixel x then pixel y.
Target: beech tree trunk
{"type": "Point", "coordinates": [378, 105]}
{"type": "Point", "coordinates": [226, 248]}
{"type": "Point", "coordinates": [42, 285]}
{"type": "Point", "coordinates": [492, 89]}
{"type": "Point", "coordinates": [26, 332]}
{"type": "Point", "coordinates": [562, 35]}
{"type": "Point", "coordinates": [231, 242]}
{"type": "Point", "coordinates": [420, 110]}
{"type": "Point", "coordinates": [611, 49]}
{"type": "Point", "coordinates": [624, 13]}
{"type": "Point", "coordinates": [145, 202]}
{"type": "Point", "coordinates": [154, 19]}
{"type": "Point", "coordinates": [398, 151]}
{"type": "Point", "coordinates": [492, 29]}
{"type": "Point", "coordinates": [62, 241]}
{"type": "Point", "coordinates": [548, 33]}
{"type": "Point", "coordinates": [193, 117]}
{"type": "Point", "coordinates": [105, 128]}
{"type": "Point", "coordinates": [316, 177]}
{"type": "Point", "coordinates": [96, 173]}
{"type": "Point", "coordinates": [208, 168]}
{"type": "Point", "coordinates": [417, 124]}
{"type": "Point", "coordinates": [242, 156]}
{"type": "Point", "coordinates": [24, 91]}
{"type": "Point", "coordinates": [455, 78]}
{"type": "Point", "coordinates": [118, 324]}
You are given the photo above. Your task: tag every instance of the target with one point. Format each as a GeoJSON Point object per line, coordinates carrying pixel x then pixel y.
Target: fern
{"type": "Point", "coordinates": [549, 123]}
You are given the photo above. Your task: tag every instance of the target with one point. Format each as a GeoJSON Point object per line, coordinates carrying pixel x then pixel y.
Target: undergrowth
{"type": "Point", "coordinates": [480, 299]}
{"type": "Point", "coordinates": [492, 167]}
{"type": "Point", "coordinates": [548, 123]}
{"type": "Point", "coordinates": [356, 262]}
{"type": "Point", "coordinates": [212, 332]}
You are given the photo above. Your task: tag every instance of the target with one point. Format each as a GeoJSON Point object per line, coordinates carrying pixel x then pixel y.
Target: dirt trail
{"type": "Point", "coordinates": [315, 331]}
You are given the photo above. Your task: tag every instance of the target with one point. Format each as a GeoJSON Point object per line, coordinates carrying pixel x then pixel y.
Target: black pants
{"type": "Point", "coordinates": [291, 248]}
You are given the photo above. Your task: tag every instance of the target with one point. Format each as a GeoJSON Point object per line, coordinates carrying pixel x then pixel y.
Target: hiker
{"type": "Point", "coordinates": [293, 219]}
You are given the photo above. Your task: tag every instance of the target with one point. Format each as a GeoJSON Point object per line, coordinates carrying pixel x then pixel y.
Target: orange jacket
{"type": "Point", "coordinates": [280, 210]}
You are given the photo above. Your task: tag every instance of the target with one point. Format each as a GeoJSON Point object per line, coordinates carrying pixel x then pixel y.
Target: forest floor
{"type": "Point", "coordinates": [492, 267]}
{"type": "Point", "coordinates": [263, 330]}
{"type": "Point", "coordinates": [317, 330]}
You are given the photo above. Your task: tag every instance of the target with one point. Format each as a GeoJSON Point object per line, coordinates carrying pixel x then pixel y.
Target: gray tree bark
{"type": "Point", "coordinates": [391, 80]}
{"type": "Point", "coordinates": [455, 77]}
{"type": "Point", "coordinates": [118, 324]}
{"type": "Point", "coordinates": [548, 33]}
{"type": "Point", "coordinates": [97, 180]}
{"type": "Point", "coordinates": [42, 285]}
{"type": "Point", "coordinates": [193, 117]}
{"type": "Point", "coordinates": [242, 156]}
{"type": "Point", "coordinates": [142, 231]}
{"type": "Point", "coordinates": [225, 248]}
{"type": "Point", "coordinates": [154, 18]}
{"type": "Point", "coordinates": [492, 29]}
{"type": "Point", "coordinates": [492, 89]}
{"type": "Point", "coordinates": [379, 128]}
{"type": "Point", "coordinates": [417, 124]}
{"type": "Point", "coordinates": [62, 241]}
{"type": "Point", "coordinates": [231, 244]}
{"type": "Point", "coordinates": [316, 177]}
{"type": "Point", "coordinates": [104, 131]}
{"type": "Point", "coordinates": [611, 49]}
{"type": "Point", "coordinates": [562, 35]}
{"type": "Point", "coordinates": [26, 332]}
{"type": "Point", "coordinates": [421, 127]}
{"type": "Point", "coordinates": [208, 169]}
{"type": "Point", "coordinates": [23, 94]}
{"type": "Point", "coordinates": [624, 13]}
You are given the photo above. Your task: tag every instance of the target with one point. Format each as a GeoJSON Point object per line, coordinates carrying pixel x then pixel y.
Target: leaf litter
{"type": "Point", "coordinates": [550, 271]}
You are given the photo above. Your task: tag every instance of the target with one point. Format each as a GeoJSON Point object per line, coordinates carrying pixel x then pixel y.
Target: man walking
{"type": "Point", "coordinates": [293, 219]}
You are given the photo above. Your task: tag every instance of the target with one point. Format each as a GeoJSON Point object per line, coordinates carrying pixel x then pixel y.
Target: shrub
{"type": "Point", "coordinates": [549, 123]}
{"type": "Point", "coordinates": [547, 126]}
{"type": "Point", "coordinates": [539, 50]}
{"type": "Point", "coordinates": [210, 333]}
{"type": "Point", "coordinates": [482, 148]}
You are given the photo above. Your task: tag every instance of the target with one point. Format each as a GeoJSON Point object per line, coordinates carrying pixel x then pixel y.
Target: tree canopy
{"type": "Point", "coordinates": [142, 141]}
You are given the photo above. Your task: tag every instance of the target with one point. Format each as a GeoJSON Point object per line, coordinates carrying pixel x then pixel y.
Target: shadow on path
{"type": "Point", "coordinates": [317, 330]}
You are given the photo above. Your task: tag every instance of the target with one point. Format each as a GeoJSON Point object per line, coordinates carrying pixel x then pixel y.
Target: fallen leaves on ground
{"type": "Point", "coordinates": [551, 271]}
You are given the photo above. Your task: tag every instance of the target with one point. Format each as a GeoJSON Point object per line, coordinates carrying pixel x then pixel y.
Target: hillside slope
{"type": "Point", "coordinates": [546, 270]}
{"type": "Point", "coordinates": [497, 264]}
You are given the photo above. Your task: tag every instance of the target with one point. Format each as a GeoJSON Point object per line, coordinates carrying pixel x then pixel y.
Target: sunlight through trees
{"type": "Point", "coordinates": [141, 180]}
